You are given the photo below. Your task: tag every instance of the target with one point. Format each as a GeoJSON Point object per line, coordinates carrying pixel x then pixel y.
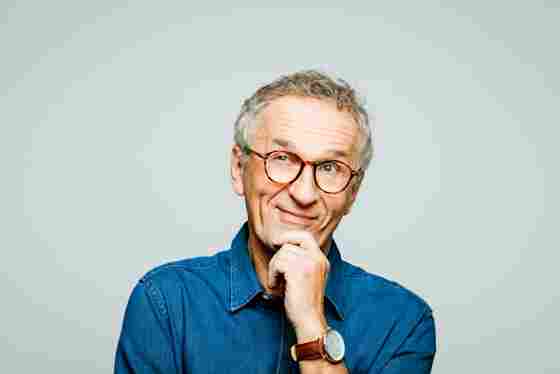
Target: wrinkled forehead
{"type": "Point", "coordinates": [314, 128]}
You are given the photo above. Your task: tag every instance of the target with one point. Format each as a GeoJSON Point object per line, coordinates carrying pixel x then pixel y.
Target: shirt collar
{"type": "Point", "coordinates": [244, 284]}
{"type": "Point", "coordinates": [335, 281]}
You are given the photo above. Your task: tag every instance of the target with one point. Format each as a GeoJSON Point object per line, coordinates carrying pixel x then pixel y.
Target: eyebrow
{"type": "Point", "coordinates": [290, 145]}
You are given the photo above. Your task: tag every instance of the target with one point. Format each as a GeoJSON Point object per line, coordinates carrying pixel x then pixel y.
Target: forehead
{"type": "Point", "coordinates": [315, 128]}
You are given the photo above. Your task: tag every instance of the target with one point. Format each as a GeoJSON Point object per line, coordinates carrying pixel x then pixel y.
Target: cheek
{"type": "Point", "coordinates": [258, 189]}
{"type": "Point", "coordinates": [336, 205]}
{"type": "Point", "coordinates": [251, 180]}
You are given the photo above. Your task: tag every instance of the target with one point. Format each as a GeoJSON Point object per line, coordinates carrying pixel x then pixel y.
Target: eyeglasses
{"type": "Point", "coordinates": [331, 176]}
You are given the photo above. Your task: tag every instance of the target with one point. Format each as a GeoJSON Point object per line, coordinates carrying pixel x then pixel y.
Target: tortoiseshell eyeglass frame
{"type": "Point", "coordinates": [265, 157]}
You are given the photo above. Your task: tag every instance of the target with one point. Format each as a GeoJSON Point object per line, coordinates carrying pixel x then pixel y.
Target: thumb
{"type": "Point", "coordinates": [275, 274]}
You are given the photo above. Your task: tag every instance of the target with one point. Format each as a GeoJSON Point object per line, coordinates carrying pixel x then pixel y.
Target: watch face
{"type": "Point", "coordinates": [334, 346]}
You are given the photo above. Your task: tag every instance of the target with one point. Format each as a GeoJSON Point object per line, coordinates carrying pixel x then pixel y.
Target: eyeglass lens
{"type": "Point", "coordinates": [284, 167]}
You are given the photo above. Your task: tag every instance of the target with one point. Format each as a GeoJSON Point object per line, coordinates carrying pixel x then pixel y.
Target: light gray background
{"type": "Point", "coordinates": [116, 122]}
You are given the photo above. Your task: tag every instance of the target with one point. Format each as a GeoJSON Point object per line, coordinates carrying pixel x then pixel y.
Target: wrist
{"type": "Point", "coordinates": [311, 329]}
{"type": "Point", "coordinates": [329, 346]}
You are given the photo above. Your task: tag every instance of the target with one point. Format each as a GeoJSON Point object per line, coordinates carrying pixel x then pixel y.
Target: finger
{"type": "Point", "coordinates": [299, 238]}
{"type": "Point", "coordinates": [279, 264]}
{"type": "Point", "coordinates": [274, 271]}
{"type": "Point", "coordinates": [305, 260]}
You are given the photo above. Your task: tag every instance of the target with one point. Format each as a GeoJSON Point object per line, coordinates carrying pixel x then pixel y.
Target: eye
{"type": "Point", "coordinates": [284, 158]}
{"type": "Point", "coordinates": [280, 157]}
{"type": "Point", "coordinates": [329, 167]}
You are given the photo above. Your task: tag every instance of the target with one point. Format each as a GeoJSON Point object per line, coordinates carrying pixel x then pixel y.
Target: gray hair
{"type": "Point", "coordinates": [308, 83]}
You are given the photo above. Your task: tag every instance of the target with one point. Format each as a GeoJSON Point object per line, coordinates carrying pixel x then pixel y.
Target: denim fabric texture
{"type": "Point", "coordinates": [211, 315]}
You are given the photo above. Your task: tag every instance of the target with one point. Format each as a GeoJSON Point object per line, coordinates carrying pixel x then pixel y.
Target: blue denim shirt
{"type": "Point", "coordinates": [211, 315]}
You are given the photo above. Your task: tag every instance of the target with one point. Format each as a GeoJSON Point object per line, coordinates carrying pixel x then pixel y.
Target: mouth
{"type": "Point", "coordinates": [295, 218]}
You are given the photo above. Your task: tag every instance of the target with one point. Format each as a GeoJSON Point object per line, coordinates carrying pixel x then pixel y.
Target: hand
{"type": "Point", "coordinates": [304, 268]}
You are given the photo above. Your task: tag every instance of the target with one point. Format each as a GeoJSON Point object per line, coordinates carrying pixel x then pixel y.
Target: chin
{"type": "Point", "coordinates": [277, 228]}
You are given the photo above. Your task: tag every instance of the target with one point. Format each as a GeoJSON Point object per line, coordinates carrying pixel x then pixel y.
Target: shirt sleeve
{"type": "Point", "coordinates": [416, 354]}
{"type": "Point", "coordinates": [145, 344]}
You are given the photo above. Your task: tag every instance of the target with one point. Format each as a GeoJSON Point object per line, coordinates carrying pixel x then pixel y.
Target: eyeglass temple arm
{"type": "Point", "coordinates": [248, 150]}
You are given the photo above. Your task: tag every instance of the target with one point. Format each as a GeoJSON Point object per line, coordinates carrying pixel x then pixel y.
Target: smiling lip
{"type": "Point", "coordinates": [297, 218]}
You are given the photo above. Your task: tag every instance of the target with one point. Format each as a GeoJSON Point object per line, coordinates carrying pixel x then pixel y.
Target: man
{"type": "Point", "coordinates": [281, 299]}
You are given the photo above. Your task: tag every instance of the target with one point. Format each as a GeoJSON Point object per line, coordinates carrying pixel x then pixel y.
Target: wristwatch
{"type": "Point", "coordinates": [329, 346]}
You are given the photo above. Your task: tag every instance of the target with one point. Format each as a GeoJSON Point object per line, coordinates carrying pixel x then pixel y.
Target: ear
{"type": "Point", "coordinates": [236, 169]}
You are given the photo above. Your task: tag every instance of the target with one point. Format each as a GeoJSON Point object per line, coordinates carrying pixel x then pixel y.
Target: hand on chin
{"type": "Point", "coordinates": [278, 231]}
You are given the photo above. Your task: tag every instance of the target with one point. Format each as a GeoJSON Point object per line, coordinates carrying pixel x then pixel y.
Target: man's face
{"type": "Point", "coordinates": [315, 130]}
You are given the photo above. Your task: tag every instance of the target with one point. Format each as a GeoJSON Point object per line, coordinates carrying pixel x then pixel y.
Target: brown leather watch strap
{"type": "Point", "coordinates": [312, 350]}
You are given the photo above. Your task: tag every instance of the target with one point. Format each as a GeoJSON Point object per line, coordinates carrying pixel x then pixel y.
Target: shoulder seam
{"type": "Point", "coordinates": [156, 297]}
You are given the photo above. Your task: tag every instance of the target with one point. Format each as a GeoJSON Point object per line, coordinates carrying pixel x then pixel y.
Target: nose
{"type": "Point", "coordinates": [303, 189]}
